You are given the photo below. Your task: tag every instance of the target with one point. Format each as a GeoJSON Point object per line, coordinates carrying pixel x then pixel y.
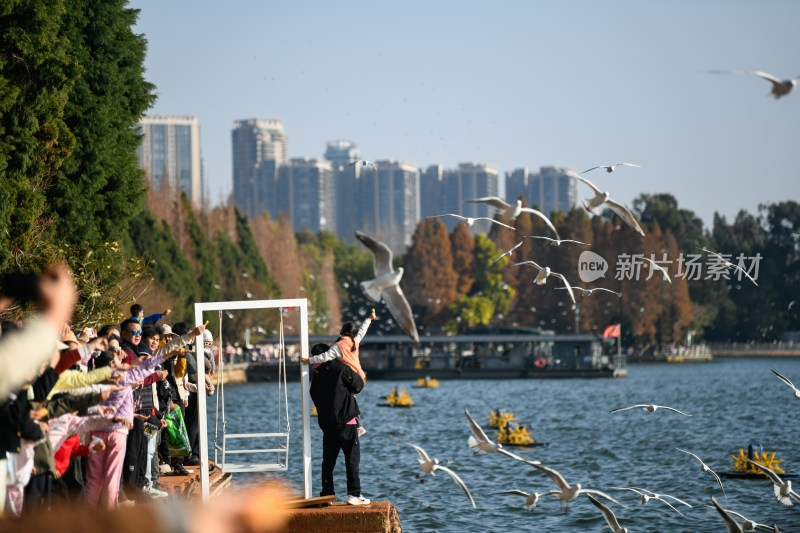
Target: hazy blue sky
{"type": "Point", "coordinates": [512, 84]}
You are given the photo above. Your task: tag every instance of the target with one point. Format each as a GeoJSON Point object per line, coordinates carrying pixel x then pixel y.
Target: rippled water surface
{"type": "Point", "coordinates": [732, 402]}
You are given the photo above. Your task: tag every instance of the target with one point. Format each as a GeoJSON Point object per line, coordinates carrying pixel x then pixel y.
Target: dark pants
{"type": "Point", "coordinates": [37, 493]}
{"type": "Point", "coordinates": [191, 419]}
{"type": "Point", "coordinates": [134, 451]}
{"type": "Point", "coordinates": [344, 438]}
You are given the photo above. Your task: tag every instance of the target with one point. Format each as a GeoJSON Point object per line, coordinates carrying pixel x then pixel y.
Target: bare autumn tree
{"type": "Point", "coordinates": [430, 280]}
{"type": "Point", "coordinates": [278, 247]}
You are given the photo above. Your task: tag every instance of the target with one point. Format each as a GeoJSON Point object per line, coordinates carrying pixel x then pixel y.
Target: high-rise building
{"type": "Point", "coordinates": [386, 206]}
{"type": "Point", "coordinates": [447, 191]}
{"type": "Point", "coordinates": [551, 189]}
{"type": "Point", "coordinates": [260, 146]}
{"type": "Point", "coordinates": [171, 150]}
{"type": "Point", "coordinates": [342, 152]}
{"type": "Point", "coordinates": [305, 191]}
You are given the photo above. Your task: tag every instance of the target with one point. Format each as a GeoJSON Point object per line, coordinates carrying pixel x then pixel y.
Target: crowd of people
{"type": "Point", "coordinates": [84, 414]}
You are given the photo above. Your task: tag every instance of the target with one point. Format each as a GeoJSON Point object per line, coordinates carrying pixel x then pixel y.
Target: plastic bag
{"type": "Point", "coordinates": [177, 436]}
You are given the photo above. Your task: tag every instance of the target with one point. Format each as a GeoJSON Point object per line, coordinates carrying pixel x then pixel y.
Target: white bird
{"type": "Point", "coordinates": [556, 242]}
{"type": "Point", "coordinates": [731, 265]}
{"type": "Point", "coordinates": [779, 87]}
{"type": "Point", "coordinates": [751, 525]}
{"type": "Point", "coordinates": [786, 380]}
{"type": "Point", "coordinates": [428, 466]}
{"type": "Point", "coordinates": [544, 272]}
{"type": "Point", "coordinates": [647, 495]}
{"type": "Point", "coordinates": [589, 292]}
{"type": "Point", "coordinates": [610, 168]}
{"type": "Point", "coordinates": [507, 252]}
{"type": "Point", "coordinates": [567, 492]}
{"type": "Point", "coordinates": [732, 525]}
{"type": "Point", "coordinates": [530, 499]}
{"type": "Point", "coordinates": [705, 468]}
{"type": "Point", "coordinates": [783, 487]}
{"type": "Point", "coordinates": [650, 408]}
{"type": "Point", "coordinates": [386, 284]}
{"type": "Point", "coordinates": [470, 220]}
{"type": "Point", "coordinates": [511, 212]}
{"type": "Point", "coordinates": [608, 514]}
{"type": "Point", "coordinates": [601, 198]}
{"type": "Point", "coordinates": [363, 164]}
{"type": "Point", "coordinates": [656, 266]}
{"type": "Point", "coordinates": [480, 443]}
{"type": "Point", "coordinates": [248, 294]}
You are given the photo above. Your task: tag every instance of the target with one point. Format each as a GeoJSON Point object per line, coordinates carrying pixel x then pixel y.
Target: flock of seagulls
{"type": "Point", "coordinates": [566, 492]}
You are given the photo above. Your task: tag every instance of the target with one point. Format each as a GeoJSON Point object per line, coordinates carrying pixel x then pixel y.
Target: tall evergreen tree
{"type": "Point", "coordinates": [253, 263]}
{"type": "Point", "coordinates": [37, 73]}
{"type": "Point", "coordinates": [100, 187]}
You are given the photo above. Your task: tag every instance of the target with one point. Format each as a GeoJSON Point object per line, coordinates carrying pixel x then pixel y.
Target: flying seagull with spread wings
{"type": "Point", "coordinates": [705, 468]}
{"type": "Point", "coordinates": [511, 212]}
{"type": "Point", "coordinates": [363, 163]}
{"type": "Point", "coordinates": [544, 272]}
{"type": "Point", "coordinates": [779, 87]}
{"type": "Point", "coordinates": [387, 284]}
{"type": "Point", "coordinates": [728, 264]}
{"type": "Point", "coordinates": [601, 198]}
{"type": "Point", "coordinates": [429, 466]}
{"type": "Point", "coordinates": [786, 380]}
{"type": "Point", "coordinates": [470, 220]}
{"type": "Point", "coordinates": [610, 168]}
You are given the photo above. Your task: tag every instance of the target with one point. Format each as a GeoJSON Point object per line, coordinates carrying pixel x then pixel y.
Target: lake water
{"type": "Point", "coordinates": [732, 402]}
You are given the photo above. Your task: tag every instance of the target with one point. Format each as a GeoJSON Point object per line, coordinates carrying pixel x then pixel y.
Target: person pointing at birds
{"type": "Point", "coordinates": [346, 349]}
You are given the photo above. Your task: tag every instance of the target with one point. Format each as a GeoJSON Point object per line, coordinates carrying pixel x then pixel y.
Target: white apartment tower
{"type": "Point", "coordinates": [171, 150]}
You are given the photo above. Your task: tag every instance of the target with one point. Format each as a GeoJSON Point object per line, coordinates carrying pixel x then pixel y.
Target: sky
{"type": "Point", "coordinates": [509, 83]}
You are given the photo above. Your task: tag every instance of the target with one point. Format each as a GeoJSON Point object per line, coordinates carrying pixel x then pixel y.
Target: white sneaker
{"type": "Point", "coordinates": [357, 500]}
{"type": "Point", "coordinates": [154, 492]}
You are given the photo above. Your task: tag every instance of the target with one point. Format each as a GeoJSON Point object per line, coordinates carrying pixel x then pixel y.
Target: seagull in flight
{"type": "Point", "coordinates": [589, 292]}
{"type": "Point", "coordinates": [730, 265]}
{"type": "Point", "coordinates": [610, 168]}
{"type": "Point", "coordinates": [429, 466]}
{"type": "Point", "coordinates": [544, 272]}
{"type": "Point", "coordinates": [470, 221]}
{"type": "Point", "coordinates": [704, 468]}
{"type": "Point", "coordinates": [511, 212]}
{"type": "Point", "coordinates": [732, 525]}
{"type": "Point", "coordinates": [556, 242]}
{"type": "Point", "coordinates": [387, 284]}
{"type": "Point", "coordinates": [601, 198]}
{"type": "Point", "coordinates": [608, 514]}
{"type": "Point", "coordinates": [567, 492]}
{"type": "Point", "coordinates": [751, 525]}
{"type": "Point", "coordinates": [783, 488]}
{"type": "Point", "coordinates": [647, 495]}
{"type": "Point", "coordinates": [779, 87]}
{"type": "Point", "coordinates": [480, 443]}
{"type": "Point", "coordinates": [656, 266]}
{"type": "Point", "coordinates": [650, 408]}
{"type": "Point", "coordinates": [786, 380]}
{"type": "Point", "coordinates": [507, 252]}
{"type": "Point", "coordinates": [530, 499]}
{"type": "Point", "coordinates": [364, 163]}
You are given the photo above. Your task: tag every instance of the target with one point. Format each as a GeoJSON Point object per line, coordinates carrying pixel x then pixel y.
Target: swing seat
{"type": "Point", "coordinates": [281, 450]}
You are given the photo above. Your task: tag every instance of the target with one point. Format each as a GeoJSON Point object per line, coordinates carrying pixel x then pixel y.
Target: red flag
{"type": "Point", "coordinates": [612, 331]}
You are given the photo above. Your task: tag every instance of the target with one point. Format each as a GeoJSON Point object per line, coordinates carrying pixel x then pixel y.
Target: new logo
{"type": "Point", "coordinates": [591, 266]}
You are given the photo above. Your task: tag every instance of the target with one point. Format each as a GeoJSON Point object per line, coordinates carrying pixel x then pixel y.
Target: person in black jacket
{"type": "Point", "coordinates": [332, 391]}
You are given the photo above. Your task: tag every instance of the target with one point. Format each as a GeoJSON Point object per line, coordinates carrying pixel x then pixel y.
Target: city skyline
{"type": "Point", "coordinates": [513, 86]}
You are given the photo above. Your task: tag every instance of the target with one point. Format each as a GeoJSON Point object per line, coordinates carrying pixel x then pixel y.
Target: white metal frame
{"type": "Point", "coordinates": [302, 305]}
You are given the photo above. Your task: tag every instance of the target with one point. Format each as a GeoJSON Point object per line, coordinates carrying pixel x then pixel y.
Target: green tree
{"type": "Point", "coordinates": [37, 73]}
{"type": "Point", "coordinates": [252, 262]}
{"type": "Point", "coordinates": [490, 295]}
{"type": "Point", "coordinates": [100, 187]}
{"type": "Point", "coordinates": [172, 270]}
{"type": "Point", "coordinates": [209, 276]}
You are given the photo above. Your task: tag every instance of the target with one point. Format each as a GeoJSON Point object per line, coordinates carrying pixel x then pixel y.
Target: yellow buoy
{"type": "Point", "coordinates": [764, 458]}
